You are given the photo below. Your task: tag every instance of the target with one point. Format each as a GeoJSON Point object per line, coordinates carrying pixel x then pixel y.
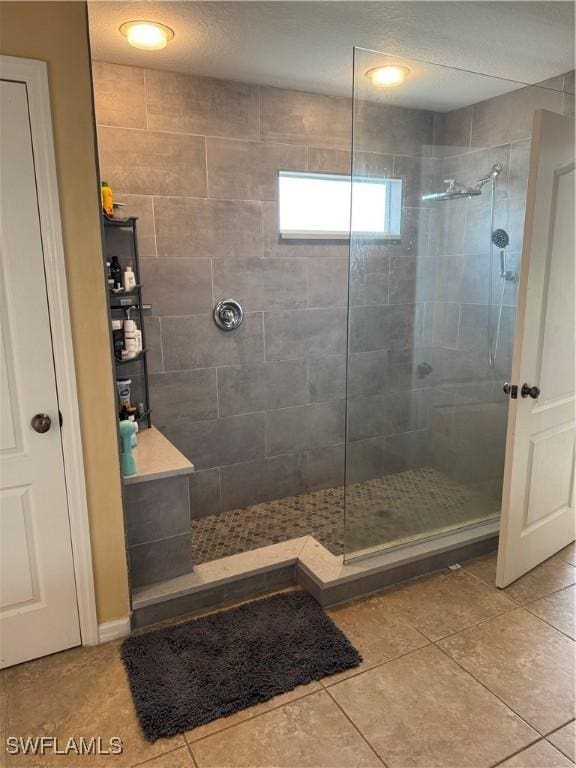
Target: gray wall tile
{"type": "Point", "coordinates": [295, 117]}
{"type": "Point", "coordinates": [392, 130]}
{"type": "Point", "coordinates": [369, 275]}
{"type": "Point", "coordinates": [177, 286]}
{"type": "Point", "coordinates": [445, 324]}
{"type": "Point", "coordinates": [156, 509]}
{"type": "Point", "coordinates": [153, 344]}
{"type": "Point", "coordinates": [263, 480]}
{"type": "Point", "coordinates": [159, 560]}
{"type": "Point", "coordinates": [307, 332]}
{"type": "Point", "coordinates": [196, 342]}
{"type": "Point", "coordinates": [204, 493]}
{"type": "Point", "coordinates": [519, 164]}
{"type": "Point", "coordinates": [219, 442]}
{"type": "Point", "coordinates": [326, 468]}
{"type": "Point", "coordinates": [506, 118]}
{"type": "Point", "coordinates": [463, 278]}
{"type": "Point", "coordinates": [385, 327]}
{"type": "Point", "coordinates": [452, 132]}
{"type": "Point", "coordinates": [364, 460]}
{"type": "Point", "coordinates": [208, 228]}
{"type": "Point", "coordinates": [183, 394]}
{"type": "Point", "coordinates": [151, 163]}
{"type": "Point", "coordinates": [202, 105]}
{"type": "Point", "coordinates": [119, 95]}
{"type": "Point", "coordinates": [406, 451]}
{"type": "Point", "coordinates": [323, 160]}
{"type": "Point", "coordinates": [262, 386]}
{"type": "Point", "coordinates": [404, 368]}
{"type": "Point", "coordinates": [367, 417]}
{"type": "Point", "coordinates": [419, 176]}
{"type": "Point", "coordinates": [327, 378]}
{"type": "Point", "coordinates": [367, 373]}
{"type": "Point", "coordinates": [260, 284]}
{"type": "Point", "coordinates": [248, 170]}
{"type": "Point", "coordinates": [141, 207]}
{"type": "Point", "coordinates": [305, 426]}
{"type": "Point", "coordinates": [328, 282]}
{"type": "Point", "coordinates": [411, 279]}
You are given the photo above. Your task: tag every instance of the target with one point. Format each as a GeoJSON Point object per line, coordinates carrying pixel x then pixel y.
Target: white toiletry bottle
{"type": "Point", "coordinates": [129, 279]}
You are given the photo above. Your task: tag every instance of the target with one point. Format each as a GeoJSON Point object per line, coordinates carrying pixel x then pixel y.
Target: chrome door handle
{"type": "Point", "coordinates": [41, 423]}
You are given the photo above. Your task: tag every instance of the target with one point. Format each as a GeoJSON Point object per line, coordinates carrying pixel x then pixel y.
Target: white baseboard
{"type": "Point", "coordinates": [114, 630]}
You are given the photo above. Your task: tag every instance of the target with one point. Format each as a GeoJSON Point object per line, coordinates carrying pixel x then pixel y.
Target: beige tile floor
{"type": "Point", "coordinates": [456, 674]}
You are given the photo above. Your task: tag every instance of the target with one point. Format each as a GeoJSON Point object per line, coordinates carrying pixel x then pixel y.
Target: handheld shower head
{"type": "Point", "coordinates": [500, 238]}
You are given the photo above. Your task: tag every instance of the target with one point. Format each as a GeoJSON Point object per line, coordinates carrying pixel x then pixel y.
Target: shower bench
{"type": "Point", "coordinates": [157, 511]}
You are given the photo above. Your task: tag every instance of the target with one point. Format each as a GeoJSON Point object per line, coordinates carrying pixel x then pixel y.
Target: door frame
{"type": "Point", "coordinates": [34, 74]}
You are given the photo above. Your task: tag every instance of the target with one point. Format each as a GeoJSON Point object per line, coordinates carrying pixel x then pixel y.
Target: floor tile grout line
{"type": "Point", "coordinates": [518, 752]}
{"type": "Point", "coordinates": [356, 728]}
{"type": "Point", "coordinates": [375, 666]}
{"type": "Point", "coordinates": [570, 637]}
{"type": "Point", "coordinates": [533, 728]}
{"type": "Point", "coordinates": [555, 730]}
{"type": "Point", "coordinates": [159, 755]}
{"type": "Point", "coordinates": [506, 594]}
{"type": "Point", "coordinates": [248, 719]}
{"type": "Point", "coordinates": [476, 624]}
{"type": "Point", "coordinates": [548, 594]}
{"type": "Point", "coordinates": [189, 747]}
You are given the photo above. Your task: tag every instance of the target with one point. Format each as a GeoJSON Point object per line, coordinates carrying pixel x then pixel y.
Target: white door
{"type": "Point", "coordinates": [538, 512]}
{"type": "Point", "coordinates": [38, 607]}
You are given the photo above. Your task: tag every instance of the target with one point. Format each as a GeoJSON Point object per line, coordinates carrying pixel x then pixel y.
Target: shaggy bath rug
{"type": "Point", "coordinates": [191, 673]}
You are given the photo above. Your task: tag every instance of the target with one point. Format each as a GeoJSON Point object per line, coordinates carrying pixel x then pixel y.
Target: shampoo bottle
{"type": "Point", "coordinates": [129, 279]}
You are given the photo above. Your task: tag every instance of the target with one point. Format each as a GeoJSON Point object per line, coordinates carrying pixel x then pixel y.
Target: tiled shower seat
{"type": "Point", "coordinates": [157, 510]}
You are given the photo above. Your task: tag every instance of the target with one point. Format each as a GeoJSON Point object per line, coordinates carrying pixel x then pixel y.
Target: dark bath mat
{"type": "Point", "coordinates": [191, 673]}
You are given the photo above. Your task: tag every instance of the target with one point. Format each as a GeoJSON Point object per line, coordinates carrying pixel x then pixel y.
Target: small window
{"type": "Point", "coordinates": [317, 206]}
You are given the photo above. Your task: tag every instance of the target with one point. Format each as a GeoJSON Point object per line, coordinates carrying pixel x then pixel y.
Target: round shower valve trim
{"type": "Point", "coordinates": [228, 314]}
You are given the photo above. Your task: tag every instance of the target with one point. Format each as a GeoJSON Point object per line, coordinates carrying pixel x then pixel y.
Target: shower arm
{"type": "Point", "coordinates": [495, 171]}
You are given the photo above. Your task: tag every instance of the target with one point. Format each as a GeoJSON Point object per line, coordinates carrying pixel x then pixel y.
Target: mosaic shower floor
{"type": "Point", "coordinates": [385, 509]}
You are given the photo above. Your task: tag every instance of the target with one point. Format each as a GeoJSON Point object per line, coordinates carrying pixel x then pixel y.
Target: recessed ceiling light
{"type": "Point", "coordinates": [388, 76]}
{"type": "Point", "coordinates": [148, 35]}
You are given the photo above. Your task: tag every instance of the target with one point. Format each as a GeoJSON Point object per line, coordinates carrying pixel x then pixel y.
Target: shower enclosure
{"type": "Point", "coordinates": [359, 399]}
{"type": "Point", "coordinates": [432, 303]}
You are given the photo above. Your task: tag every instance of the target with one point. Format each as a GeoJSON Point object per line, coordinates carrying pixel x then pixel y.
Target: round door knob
{"type": "Point", "coordinates": [528, 391]}
{"type": "Point", "coordinates": [41, 422]}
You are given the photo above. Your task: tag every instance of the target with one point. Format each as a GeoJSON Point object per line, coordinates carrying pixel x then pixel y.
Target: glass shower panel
{"type": "Point", "coordinates": [432, 310]}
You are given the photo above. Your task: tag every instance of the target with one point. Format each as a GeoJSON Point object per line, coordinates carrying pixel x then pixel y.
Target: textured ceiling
{"type": "Point", "coordinates": [308, 45]}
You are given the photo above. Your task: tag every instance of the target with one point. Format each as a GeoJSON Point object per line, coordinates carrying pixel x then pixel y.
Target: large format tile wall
{"type": "Point", "coordinates": [447, 403]}
{"type": "Point", "coordinates": [261, 411]}
{"type": "Point", "coordinates": [467, 409]}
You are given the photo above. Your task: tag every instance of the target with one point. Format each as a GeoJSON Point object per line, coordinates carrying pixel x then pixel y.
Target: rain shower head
{"type": "Point", "coordinates": [456, 191]}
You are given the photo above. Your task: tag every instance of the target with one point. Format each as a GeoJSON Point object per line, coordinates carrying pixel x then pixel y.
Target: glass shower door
{"type": "Point", "coordinates": [433, 279]}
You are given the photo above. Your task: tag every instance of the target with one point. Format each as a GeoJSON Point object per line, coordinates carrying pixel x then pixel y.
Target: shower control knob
{"type": "Point", "coordinates": [528, 391]}
{"type": "Point", "coordinates": [510, 389]}
{"type": "Point", "coordinates": [228, 314]}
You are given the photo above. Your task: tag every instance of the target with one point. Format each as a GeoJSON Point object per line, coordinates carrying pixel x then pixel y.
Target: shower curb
{"type": "Point", "coordinates": [305, 562]}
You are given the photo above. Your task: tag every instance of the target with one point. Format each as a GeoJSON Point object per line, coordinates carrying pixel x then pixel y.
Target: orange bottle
{"type": "Point", "coordinates": [107, 199]}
